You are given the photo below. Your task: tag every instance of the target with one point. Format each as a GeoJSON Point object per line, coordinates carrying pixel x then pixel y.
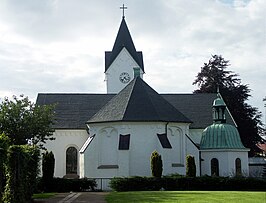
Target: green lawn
{"type": "Point", "coordinates": [187, 197]}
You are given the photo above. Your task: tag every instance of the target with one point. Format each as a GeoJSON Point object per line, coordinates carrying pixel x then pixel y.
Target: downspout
{"type": "Point", "coordinates": [199, 152]}
{"type": "Point", "coordinates": [166, 128]}
{"type": "Point", "coordinates": [200, 160]}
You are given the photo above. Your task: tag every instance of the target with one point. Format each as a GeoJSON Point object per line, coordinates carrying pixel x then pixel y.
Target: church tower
{"type": "Point", "coordinates": [123, 63]}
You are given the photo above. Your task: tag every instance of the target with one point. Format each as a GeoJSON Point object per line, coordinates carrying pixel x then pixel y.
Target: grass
{"type": "Point", "coordinates": [187, 197]}
{"type": "Point", "coordinates": [43, 195]}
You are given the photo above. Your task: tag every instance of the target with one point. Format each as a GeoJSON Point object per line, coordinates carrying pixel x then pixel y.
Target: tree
{"type": "Point", "coordinates": [214, 75]}
{"type": "Point", "coordinates": [156, 164]}
{"type": "Point", "coordinates": [23, 121]}
{"type": "Point", "coordinates": [48, 164]}
{"type": "Point", "coordinates": [191, 166]}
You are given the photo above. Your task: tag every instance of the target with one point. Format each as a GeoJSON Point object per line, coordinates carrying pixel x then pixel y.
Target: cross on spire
{"type": "Point", "coordinates": [123, 7]}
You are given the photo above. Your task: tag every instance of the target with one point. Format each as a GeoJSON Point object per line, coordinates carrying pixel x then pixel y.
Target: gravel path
{"type": "Point", "coordinates": [76, 197]}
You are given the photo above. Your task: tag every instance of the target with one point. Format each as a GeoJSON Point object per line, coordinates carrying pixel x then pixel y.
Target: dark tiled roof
{"type": "Point", "coordinates": [138, 102]}
{"type": "Point", "coordinates": [123, 39]}
{"type": "Point", "coordinates": [73, 110]}
{"type": "Point", "coordinates": [197, 107]}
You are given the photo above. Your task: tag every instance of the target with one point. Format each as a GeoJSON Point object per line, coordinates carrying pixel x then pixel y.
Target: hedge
{"type": "Point", "coordinates": [4, 143]}
{"type": "Point", "coordinates": [22, 169]}
{"type": "Point", "coordinates": [188, 183]}
{"type": "Point", "coordinates": [67, 185]}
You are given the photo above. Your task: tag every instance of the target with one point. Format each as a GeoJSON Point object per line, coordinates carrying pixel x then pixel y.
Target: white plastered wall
{"type": "Point", "coordinates": [63, 140]}
{"type": "Point", "coordinates": [136, 160]}
{"type": "Point", "coordinates": [124, 62]}
{"type": "Point", "coordinates": [226, 160]}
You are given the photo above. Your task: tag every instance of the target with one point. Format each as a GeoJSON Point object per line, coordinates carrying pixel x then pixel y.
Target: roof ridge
{"type": "Point", "coordinates": [152, 101]}
{"type": "Point", "coordinates": [130, 95]}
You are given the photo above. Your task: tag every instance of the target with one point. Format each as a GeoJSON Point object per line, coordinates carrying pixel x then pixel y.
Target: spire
{"type": "Point", "coordinates": [123, 40]}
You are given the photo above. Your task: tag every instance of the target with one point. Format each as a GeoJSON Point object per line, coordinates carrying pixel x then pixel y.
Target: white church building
{"type": "Point", "coordinates": [113, 135]}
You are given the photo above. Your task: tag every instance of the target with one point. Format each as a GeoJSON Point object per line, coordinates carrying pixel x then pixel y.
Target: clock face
{"type": "Point", "coordinates": [124, 77]}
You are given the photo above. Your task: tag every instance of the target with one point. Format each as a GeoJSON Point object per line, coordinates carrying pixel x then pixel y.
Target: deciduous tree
{"type": "Point", "coordinates": [23, 121]}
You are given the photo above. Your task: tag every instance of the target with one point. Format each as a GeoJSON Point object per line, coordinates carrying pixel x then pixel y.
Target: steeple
{"type": "Point", "coordinates": [123, 40]}
{"type": "Point", "coordinates": [123, 63]}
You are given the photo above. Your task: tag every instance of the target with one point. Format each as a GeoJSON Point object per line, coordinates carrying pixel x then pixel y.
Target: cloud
{"type": "Point", "coordinates": [58, 45]}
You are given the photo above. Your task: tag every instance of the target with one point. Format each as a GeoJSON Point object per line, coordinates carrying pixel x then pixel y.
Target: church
{"type": "Point", "coordinates": [114, 134]}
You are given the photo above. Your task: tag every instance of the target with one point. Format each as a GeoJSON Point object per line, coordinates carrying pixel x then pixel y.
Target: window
{"type": "Point", "coordinates": [124, 142]}
{"type": "Point", "coordinates": [71, 160]}
{"type": "Point", "coordinates": [214, 167]}
{"type": "Point", "coordinates": [238, 167]}
{"type": "Point", "coordinates": [164, 141]}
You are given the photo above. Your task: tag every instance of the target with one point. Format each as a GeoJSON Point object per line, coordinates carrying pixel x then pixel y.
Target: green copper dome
{"type": "Point", "coordinates": [221, 136]}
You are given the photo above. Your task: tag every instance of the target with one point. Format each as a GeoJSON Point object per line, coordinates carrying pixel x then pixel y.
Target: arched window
{"type": "Point", "coordinates": [214, 167]}
{"type": "Point", "coordinates": [71, 160]}
{"type": "Point", "coordinates": [238, 167]}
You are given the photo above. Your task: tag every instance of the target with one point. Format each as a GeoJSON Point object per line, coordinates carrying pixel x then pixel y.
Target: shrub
{"type": "Point", "coordinates": [68, 185]}
{"type": "Point", "coordinates": [136, 183]}
{"type": "Point", "coordinates": [206, 183]}
{"type": "Point", "coordinates": [191, 166]}
{"type": "Point", "coordinates": [156, 164]}
{"type": "Point", "coordinates": [4, 143]}
{"type": "Point", "coordinates": [22, 170]}
{"type": "Point", "coordinates": [48, 164]}
{"type": "Point", "coordinates": [32, 168]}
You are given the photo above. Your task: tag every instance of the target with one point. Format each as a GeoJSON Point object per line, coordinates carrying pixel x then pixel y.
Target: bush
{"type": "Point", "coordinates": [4, 143]}
{"type": "Point", "coordinates": [136, 183]}
{"type": "Point", "coordinates": [191, 166]}
{"type": "Point", "coordinates": [22, 170]}
{"type": "Point", "coordinates": [206, 183]}
{"type": "Point", "coordinates": [156, 164]}
{"type": "Point", "coordinates": [48, 164]}
{"type": "Point", "coordinates": [68, 185]}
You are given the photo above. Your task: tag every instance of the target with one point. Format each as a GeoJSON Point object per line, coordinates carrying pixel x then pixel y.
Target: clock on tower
{"type": "Point", "coordinates": [124, 77]}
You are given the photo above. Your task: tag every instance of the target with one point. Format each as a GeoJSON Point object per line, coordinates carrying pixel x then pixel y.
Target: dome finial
{"type": "Point", "coordinates": [219, 109]}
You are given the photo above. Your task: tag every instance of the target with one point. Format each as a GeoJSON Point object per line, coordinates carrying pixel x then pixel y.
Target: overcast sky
{"type": "Point", "coordinates": [58, 45]}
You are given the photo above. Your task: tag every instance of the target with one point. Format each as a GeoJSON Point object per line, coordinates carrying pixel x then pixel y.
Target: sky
{"type": "Point", "coordinates": [57, 46]}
